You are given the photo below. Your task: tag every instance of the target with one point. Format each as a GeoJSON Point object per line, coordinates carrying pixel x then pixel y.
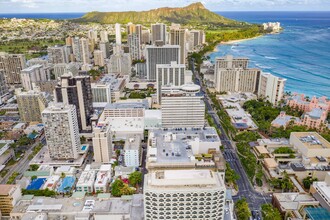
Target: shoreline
{"type": "Point", "coordinates": [231, 42]}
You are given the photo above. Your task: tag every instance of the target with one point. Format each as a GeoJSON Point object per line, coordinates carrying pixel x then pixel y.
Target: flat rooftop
{"type": "Point", "coordinates": [173, 144]}
{"type": "Point", "coordinates": [184, 178]}
{"type": "Point", "coordinates": [312, 140]}
{"type": "Point", "coordinates": [127, 105]}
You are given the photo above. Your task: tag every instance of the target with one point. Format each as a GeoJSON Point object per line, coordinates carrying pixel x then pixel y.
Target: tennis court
{"type": "Point", "coordinates": [36, 184]}
{"type": "Point", "coordinates": [66, 184]}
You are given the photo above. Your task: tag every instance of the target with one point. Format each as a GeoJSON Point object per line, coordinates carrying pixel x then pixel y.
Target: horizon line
{"type": "Point", "coordinates": [67, 12]}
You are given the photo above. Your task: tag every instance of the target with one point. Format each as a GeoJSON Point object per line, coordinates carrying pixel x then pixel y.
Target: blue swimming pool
{"type": "Point", "coordinates": [36, 184]}
{"type": "Point", "coordinates": [83, 147]}
{"type": "Point", "coordinates": [66, 184]}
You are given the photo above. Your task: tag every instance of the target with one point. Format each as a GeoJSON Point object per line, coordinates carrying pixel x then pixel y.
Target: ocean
{"type": "Point", "coordinates": [301, 53]}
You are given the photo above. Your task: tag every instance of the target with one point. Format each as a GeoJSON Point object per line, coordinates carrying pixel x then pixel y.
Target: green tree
{"type": "Point", "coordinates": [34, 167]}
{"type": "Point", "coordinates": [270, 213]}
{"type": "Point", "coordinates": [83, 139]}
{"type": "Point", "coordinates": [135, 178]}
{"type": "Point", "coordinates": [230, 175]}
{"type": "Point", "coordinates": [308, 181]}
{"type": "Point", "coordinates": [242, 209]}
{"type": "Point", "coordinates": [116, 188]}
{"type": "Point", "coordinates": [63, 175]}
{"type": "Point", "coordinates": [34, 177]}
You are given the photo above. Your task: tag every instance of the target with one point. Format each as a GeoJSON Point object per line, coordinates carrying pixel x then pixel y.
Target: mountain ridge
{"type": "Point", "coordinates": [194, 13]}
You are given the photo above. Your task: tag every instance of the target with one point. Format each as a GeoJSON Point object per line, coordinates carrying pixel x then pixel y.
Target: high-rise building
{"type": "Point", "coordinates": [233, 75]}
{"type": "Point", "coordinates": [61, 131]}
{"type": "Point", "coordinates": [12, 64]}
{"type": "Point", "coordinates": [3, 85]}
{"type": "Point", "coordinates": [182, 107]}
{"type": "Point", "coordinates": [118, 33]}
{"type": "Point", "coordinates": [58, 54]}
{"type": "Point", "coordinates": [271, 87]}
{"type": "Point", "coordinates": [134, 46]}
{"type": "Point", "coordinates": [92, 36]}
{"type": "Point", "coordinates": [229, 62]}
{"type": "Point", "coordinates": [145, 39]}
{"type": "Point", "coordinates": [68, 41]}
{"type": "Point", "coordinates": [195, 38]}
{"type": "Point", "coordinates": [77, 91]}
{"type": "Point", "coordinates": [130, 28]}
{"type": "Point", "coordinates": [158, 32]}
{"type": "Point", "coordinates": [32, 75]}
{"type": "Point", "coordinates": [179, 37]}
{"type": "Point", "coordinates": [9, 196]}
{"type": "Point", "coordinates": [160, 55]}
{"type": "Point", "coordinates": [171, 74]}
{"type": "Point", "coordinates": [30, 105]}
{"type": "Point", "coordinates": [102, 143]}
{"type": "Point", "coordinates": [63, 68]}
{"type": "Point", "coordinates": [104, 36]}
{"type": "Point", "coordinates": [76, 48]}
{"type": "Point", "coordinates": [101, 94]}
{"type": "Point", "coordinates": [184, 194]}
{"type": "Point", "coordinates": [105, 48]}
{"type": "Point", "coordinates": [84, 48]}
{"type": "Point", "coordinates": [120, 63]}
{"type": "Point", "coordinates": [98, 58]}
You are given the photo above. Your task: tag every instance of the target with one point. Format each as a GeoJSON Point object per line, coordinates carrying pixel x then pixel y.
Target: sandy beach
{"type": "Point", "coordinates": [241, 40]}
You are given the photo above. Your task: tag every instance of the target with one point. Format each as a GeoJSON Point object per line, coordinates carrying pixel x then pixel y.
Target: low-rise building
{"type": "Point", "coordinates": [124, 172]}
{"type": "Point", "coordinates": [321, 191]}
{"type": "Point", "coordinates": [86, 181]}
{"type": "Point", "coordinates": [81, 207]}
{"type": "Point", "coordinates": [291, 204]}
{"type": "Point", "coordinates": [184, 148]}
{"type": "Point", "coordinates": [6, 153]}
{"type": "Point", "coordinates": [283, 120]}
{"type": "Point", "coordinates": [103, 179]}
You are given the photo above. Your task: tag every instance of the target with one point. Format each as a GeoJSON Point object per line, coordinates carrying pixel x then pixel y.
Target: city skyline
{"type": "Point", "coordinates": [45, 6]}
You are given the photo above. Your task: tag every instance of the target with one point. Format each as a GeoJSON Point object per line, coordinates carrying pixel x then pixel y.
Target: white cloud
{"type": "Point", "coordinates": [124, 5]}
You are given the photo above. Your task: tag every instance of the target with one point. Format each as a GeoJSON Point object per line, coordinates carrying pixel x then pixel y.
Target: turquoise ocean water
{"type": "Point", "coordinates": [301, 53]}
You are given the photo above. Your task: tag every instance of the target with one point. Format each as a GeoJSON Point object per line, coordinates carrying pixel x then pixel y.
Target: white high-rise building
{"type": "Point", "coordinates": [182, 107]}
{"type": "Point", "coordinates": [102, 143]}
{"type": "Point", "coordinates": [134, 46]}
{"type": "Point", "coordinates": [31, 75]}
{"type": "Point", "coordinates": [120, 63]}
{"type": "Point", "coordinates": [98, 58]}
{"type": "Point", "coordinates": [160, 55]}
{"type": "Point", "coordinates": [172, 74]}
{"type": "Point", "coordinates": [63, 68]}
{"type": "Point", "coordinates": [84, 48]}
{"type": "Point", "coordinates": [92, 36]}
{"type": "Point", "coordinates": [145, 38]}
{"type": "Point", "coordinates": [3, 85]}
{"type": "Point", "coordinates": [105, 48]}
{"type": "Point", "coordinates": [184, 194]}
{"type": "Point", "coordinates": [58, 54]}
{"type": "Point", "coordinates": [233, 75]}
{"type": "Point", "coordinates": [179, 37]}
{"type": "Point", "coordinates": [104, 36]}
{"type": "Point", "coordinates": [271, 87]}
{"type": "Point", "coordinates": [61, 131]}
{"type": "Point", "coordinates": [158, 32]}
{"type": "Point", "coordinates": [118, 33]}
{"type": "Point", "coordinates": [101, 94]}
{"type": "Point", "coordinates": [76, 48]}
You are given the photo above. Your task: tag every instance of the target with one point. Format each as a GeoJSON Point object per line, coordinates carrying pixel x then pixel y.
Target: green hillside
{"type": "Point", "coordinates": [192, 14]}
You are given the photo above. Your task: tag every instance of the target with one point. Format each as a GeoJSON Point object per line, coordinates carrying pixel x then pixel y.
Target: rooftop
{"type": "Point", "coordinates": [127, 105]}
{"type": "Point", "coordinates": [312, 140]}
{"type": "Point", "coordinates": [184, 178]}
{"type": "Point", "coordinates": [5, 189]}
{"type": "Point", "coordinates": [291, 201]}
{"type": "Point", "coordinates": [132, 142]}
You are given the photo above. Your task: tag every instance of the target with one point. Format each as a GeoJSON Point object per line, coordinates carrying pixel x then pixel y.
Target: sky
{"type": "Point", "coordinates": [41, 6]}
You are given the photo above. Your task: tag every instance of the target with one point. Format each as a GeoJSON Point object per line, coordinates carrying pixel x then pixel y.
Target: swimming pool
{"type": "Point", "coordinates": [36, 184]}
{"type": "Point", "coordinates": [66, 184]}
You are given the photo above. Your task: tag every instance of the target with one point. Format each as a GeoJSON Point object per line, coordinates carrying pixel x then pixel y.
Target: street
{"type": "Point", "coordinates": [246, 190]}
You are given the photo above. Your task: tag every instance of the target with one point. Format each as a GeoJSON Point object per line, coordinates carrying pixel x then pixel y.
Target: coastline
{"type": "Point", "coordinates": [231, 42]}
